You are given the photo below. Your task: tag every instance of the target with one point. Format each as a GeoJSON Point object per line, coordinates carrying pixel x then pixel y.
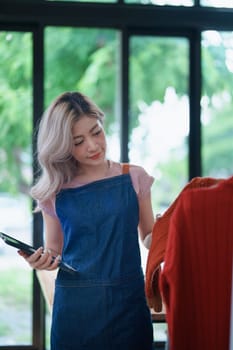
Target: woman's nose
{"type": "Point", "coordinates": [91, 145]}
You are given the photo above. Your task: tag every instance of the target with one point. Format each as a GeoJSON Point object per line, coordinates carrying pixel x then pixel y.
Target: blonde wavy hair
{"type": "Point", "coordinates": [55, 142]}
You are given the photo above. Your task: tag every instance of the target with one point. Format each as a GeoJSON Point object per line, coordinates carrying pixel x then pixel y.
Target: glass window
{"type": "Point", "coordinates": [159, 120]}
{"type": "Point", "coordinates": [15, 179]}
{"type": "Point", "coordinates": [154, 2]}
{"type": "Point", "coordinates": [217, 3]}
{"type": "Point", "coordinates": [217, 103]}
{"type": "Point", "coordinates": [159, 113]}
{"type": "Point", "coordinates": [86, 60]}
{"type": "Point", "coordinates": [94, 1]}
{"type": "Point", "coordinates": [163, 2]}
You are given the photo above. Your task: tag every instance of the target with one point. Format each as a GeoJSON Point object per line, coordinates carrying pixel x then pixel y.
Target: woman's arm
{"type": "Point", "coordinates": [146, 220]}
{"type": "Point", "coordinates": [42, 258]}
{"type": "Point", "coordinates": [53, 234]}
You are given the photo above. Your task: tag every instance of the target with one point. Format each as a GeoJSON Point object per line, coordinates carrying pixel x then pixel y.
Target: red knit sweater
{"type": "Point", "coordinates": [196, 278]}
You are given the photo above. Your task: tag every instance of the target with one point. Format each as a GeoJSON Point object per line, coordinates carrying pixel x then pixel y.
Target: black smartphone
{"type": "Point", "coordinates": [30, 250]}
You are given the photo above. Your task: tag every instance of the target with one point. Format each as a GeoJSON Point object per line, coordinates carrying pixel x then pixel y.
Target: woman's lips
{"type": "Point", "coordinates": [96, 156]}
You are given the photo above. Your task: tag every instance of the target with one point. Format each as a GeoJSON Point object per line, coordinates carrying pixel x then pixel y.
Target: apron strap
{"type": "Point", "coordinates": [125, 168]}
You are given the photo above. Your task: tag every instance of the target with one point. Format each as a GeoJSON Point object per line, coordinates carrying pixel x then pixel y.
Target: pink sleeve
{"type": "Point", "coordinates": [141, 180]}
{"type": "Point", "coordinates": [48, 207]}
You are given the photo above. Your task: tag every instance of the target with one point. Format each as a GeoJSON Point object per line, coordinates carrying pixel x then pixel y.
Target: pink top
{"type": "Point", "coordinates": [141, 181]}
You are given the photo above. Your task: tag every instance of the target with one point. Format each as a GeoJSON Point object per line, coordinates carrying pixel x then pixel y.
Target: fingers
{"type": "Point", "coordinates": [41, 259]}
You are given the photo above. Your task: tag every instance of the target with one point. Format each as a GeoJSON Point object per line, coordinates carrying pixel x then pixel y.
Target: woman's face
{"type": "Point", "coordinates": [89, 141]}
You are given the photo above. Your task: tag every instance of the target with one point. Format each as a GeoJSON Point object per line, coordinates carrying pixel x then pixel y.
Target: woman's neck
{"type": "Point", "coordinates": [93, 173]}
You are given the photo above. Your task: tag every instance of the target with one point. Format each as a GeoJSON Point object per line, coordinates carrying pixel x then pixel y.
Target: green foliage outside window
{"type": "Point", "coordinates": [86, 60]}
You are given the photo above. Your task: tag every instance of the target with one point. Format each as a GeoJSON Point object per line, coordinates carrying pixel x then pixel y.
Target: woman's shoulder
{"type": "Point", "coordinates": [141, 180]}
{"type": "Point", "coordinates": [117, 168]}
{"type": "Point", "coordinates": [137, 169]}
{"type": "Point", "coordinates": [139, 172]}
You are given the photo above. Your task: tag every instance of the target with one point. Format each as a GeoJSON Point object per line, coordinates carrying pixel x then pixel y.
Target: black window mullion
{"type": "Point", "coordinates": [124, 93]}
{"type": "Point", "coordinates": [195, 111]}
{"type": "Point", "coordinates": [38, 105]}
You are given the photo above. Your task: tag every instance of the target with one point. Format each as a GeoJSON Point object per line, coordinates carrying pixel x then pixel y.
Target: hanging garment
{"type": "Point", "coordinates": [196, 278]}
{"type": "Point", "coordinates": [159, 242]}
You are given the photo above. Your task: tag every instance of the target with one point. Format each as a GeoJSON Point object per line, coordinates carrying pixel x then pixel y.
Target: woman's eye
{"type": "Point", "coordinates": [97, 132]}
{"type": "Point", "coordinates": [78, 143]}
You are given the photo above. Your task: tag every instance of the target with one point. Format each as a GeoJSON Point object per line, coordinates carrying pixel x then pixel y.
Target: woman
{"type": "Point", "coordinates": [92, 209]}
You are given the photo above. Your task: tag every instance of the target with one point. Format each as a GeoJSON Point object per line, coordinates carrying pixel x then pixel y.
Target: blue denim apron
{"type": "Point", "coordinates": [102, 306]}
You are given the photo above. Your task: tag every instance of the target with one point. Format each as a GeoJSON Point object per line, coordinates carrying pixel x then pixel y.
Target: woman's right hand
{"type": "Point", "coordinates": [42, 259]}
